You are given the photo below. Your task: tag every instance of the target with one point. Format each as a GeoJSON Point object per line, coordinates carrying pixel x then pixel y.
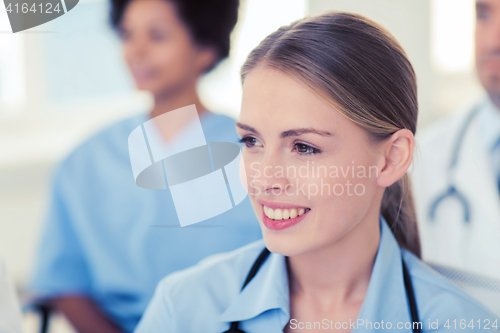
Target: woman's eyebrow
{"type": "Point", "coordinates": [481, 5]}
{"type": "Point", "coordinates": [292, 132]}
{"type": "Point", "coordinates": [247, 128]}
{"type": "Point", "coordinates": [300, 131]}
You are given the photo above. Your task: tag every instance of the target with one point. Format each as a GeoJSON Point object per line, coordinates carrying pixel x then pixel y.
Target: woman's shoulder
{"type": "Point", "coordinates": [219, 127]}
{"type": "Point", "coordinates": [218, 118]}
{"type": "Point", "coordinates": [108, 139]}
{"type": "Point", "coordinates": [114, 132]}
{"type": "Point", "coordinates": [93, 154]}
{"type": "Point", "coordinates": [219, 275]}
{"type": "Point", "coordinates": [209, 285]}
{"type": "Point", "coordinates": [439, 299]}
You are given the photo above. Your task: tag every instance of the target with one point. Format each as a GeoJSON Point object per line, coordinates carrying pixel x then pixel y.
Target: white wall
{"type": "Point", "coordinates": [413, 24]}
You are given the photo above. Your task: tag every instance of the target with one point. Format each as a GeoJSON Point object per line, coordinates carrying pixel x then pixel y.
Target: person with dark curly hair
{"type": "Point", "coordinates": [107, 242]}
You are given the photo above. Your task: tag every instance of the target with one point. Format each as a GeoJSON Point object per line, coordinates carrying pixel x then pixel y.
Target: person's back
{"type": "Point", "coordinates": [107, 242]}
{"type": "Point", "coordinates": [110, 239]}
{"type": "Point", "coordinates": [457, 169]}
{"type": "Point", "coordinates": [458, 208]}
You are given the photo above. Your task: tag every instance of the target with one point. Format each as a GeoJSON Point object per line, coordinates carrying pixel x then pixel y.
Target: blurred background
{"type": "Point", "coordinates": [62, 81]}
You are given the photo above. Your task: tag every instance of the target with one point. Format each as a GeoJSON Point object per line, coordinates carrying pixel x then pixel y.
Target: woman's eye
{"type": "Point", "coordinates": [157, 36]}
{"type": "Point", "coordinates": [302, 148]}
{"type": "Point", "coordinates": [481, 15]}
{"type": "Point", "coordinates": [250, 141]}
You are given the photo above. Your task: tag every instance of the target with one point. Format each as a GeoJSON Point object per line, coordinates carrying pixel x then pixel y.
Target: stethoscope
{"type": "Point", "coordinates": [406, 277]}
{"type": "Point", "coordinates": [451, 191]}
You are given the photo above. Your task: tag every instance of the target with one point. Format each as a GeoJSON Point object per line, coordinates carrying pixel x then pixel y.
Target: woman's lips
{"type": "Point", "coordinates": [281, 224]}
{"type": "Point", "coordinates": [143, 75]}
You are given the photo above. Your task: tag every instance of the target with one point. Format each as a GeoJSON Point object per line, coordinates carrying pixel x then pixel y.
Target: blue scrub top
{"type": "Point", "coordinates": [110, 239]}
{"type": "Point", "coordinates": [207, 297]}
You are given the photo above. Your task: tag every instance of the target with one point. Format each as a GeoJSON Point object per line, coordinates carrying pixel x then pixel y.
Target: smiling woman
{"type": "Point", "coordinates": [366, 123]}
{"type": "Point", "coordinates": [168, 45]}
{"type": "Point", "coordinates": [107, 242]}
{"type": "Point", "coordinates": [331, 90]}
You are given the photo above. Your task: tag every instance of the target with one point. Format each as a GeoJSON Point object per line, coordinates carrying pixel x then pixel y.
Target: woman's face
{"type": "Point", "coordinates": [303, 156]}
{"type": "Point", "coordinates": [158, 48]}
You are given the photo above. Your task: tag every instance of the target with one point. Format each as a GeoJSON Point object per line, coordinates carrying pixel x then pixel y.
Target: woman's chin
{"type": "Point", "coordinates": [148, 85]}
{"type": "Point", "coordinates": [287, 245]}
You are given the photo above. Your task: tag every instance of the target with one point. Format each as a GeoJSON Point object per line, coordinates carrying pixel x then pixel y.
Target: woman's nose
{"type": "Point", "coordinates": [270, 176]}
{"type": "Point", "coordinates": [137, 48]}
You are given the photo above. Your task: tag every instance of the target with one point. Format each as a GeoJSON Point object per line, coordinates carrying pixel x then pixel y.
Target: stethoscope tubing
{"type": "Point", "coordinates": [234, 327]}
{"type": "Point", "coordinates": [451, 191]}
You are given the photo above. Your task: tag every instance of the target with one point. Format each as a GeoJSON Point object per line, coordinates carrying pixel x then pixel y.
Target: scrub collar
{"type": "Point", "coordinates": [182, 140]}
{"type": "Point", "coordinates": [269, 289]}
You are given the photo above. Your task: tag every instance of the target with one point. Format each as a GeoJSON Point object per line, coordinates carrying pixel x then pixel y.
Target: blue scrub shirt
{"type": "Point", "coordinates": [110, 239]}
{"type": "Point", "coordinates": [206, 297]}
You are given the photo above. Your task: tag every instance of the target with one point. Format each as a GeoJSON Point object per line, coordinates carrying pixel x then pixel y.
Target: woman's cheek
{"type": "Point", "coordinates": [249, 169]}
{"type": "Point", "coordinates": [334, 182]}
{"type": "Point", "coordinates": [243, 173]}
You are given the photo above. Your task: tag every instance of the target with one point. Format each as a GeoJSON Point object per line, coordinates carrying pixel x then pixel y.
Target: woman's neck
{"type": "Point", "coordinates": [339, 273]}
{"type": "Point", "coordinates": [176, 99]}
{"type": "Point", "coordinates": [166, 102]}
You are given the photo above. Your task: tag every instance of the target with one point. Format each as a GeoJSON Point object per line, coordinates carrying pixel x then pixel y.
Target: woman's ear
{"type": "Point", "coordinates": [206, 58]}
{"type": "Point", "coordinates": [398, 154]}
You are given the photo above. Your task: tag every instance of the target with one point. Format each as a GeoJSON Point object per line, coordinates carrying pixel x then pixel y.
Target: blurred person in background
{"type": "Point", "coordinates": [10, 310]}
{"type": "Point", "coordinates": [107, 242]}
{"type": "Point", "coordinates": [457, 178]}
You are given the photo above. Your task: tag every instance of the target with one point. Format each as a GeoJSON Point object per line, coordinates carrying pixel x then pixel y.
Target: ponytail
{"type": "Point", "coordinates": [399, 212]}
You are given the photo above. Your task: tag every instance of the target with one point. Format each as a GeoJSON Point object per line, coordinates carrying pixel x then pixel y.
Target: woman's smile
{"type": "Point", "coordinates": [278, 216]}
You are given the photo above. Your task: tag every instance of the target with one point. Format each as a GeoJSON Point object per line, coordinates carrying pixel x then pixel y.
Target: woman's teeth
{"type": "Point", "coordinates": [284, 214]}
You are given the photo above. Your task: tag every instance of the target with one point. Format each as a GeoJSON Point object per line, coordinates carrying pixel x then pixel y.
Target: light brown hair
{"type": "Point", "coordinates": [358, 67]}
